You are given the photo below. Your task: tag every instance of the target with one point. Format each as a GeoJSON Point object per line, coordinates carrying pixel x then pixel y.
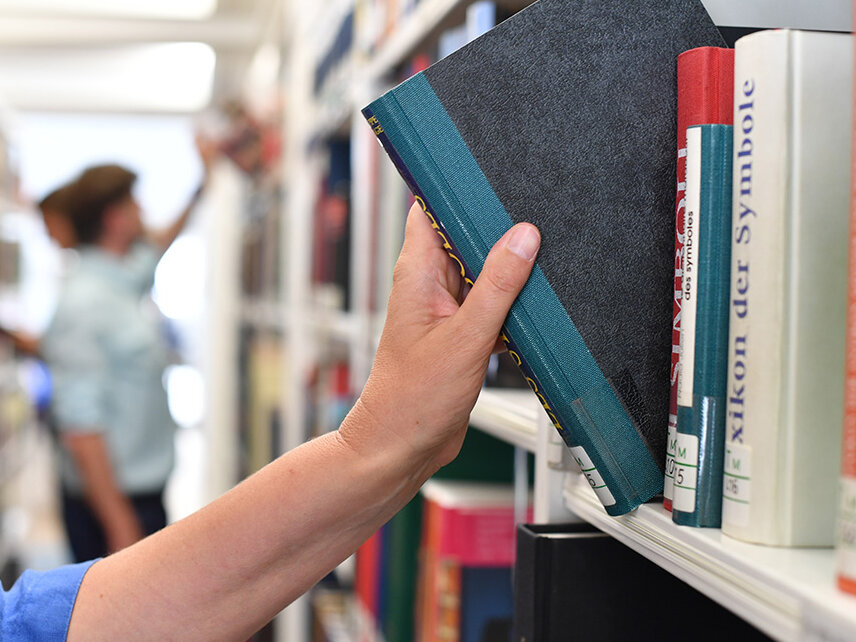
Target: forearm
{"type": "Point", "coordinates": [163, 238]}
{"type": "Point", "coordinates": [107, 501]}
{"type": "Point", "coordinates": [226, 570]}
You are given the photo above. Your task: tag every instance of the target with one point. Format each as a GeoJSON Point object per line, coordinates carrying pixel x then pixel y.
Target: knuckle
{"type": "Point", "coordinates": [502, 280]}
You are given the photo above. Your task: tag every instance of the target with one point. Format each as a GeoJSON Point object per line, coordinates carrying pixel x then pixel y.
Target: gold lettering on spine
{"type": "Point", "coordinates": [460, 265]}
{"type": "Point", "coordinates": [448, 247]}
{"type": "Point", "coordinates": [375, 125]}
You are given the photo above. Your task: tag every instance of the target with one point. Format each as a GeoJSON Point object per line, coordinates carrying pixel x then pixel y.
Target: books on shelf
{"type": "Point", "coordinates": [705, 95]}
{"type": "Point", "coordinates": [389, 584]}
{"type": "Point", "coordinates": [534, 121]}
{"type": "Point", "coordinates": [467, 552]}
{"type": "Point", "coordinates": [700, 436]}
{"type": "Point", "coordinates": [263, 362]}
{"type": "Point", "coordinates": [792, 118]}
{"type": "Point", "coordinates": [261, 244]}
{"type": "Point", "coordinates": [367, 577]}
{"type": "Point", "coordinates": [401, 551]}
{"type": "Point", "coordinates": [331, 268]}
{"type": "Point", "coordinates": [846, 530]}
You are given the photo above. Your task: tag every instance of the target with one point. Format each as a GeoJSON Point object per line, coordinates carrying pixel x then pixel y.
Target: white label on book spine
{"type": "Point", "coordinates": [737, 484]}
{"type": "Point", "coordinates": [671, 449]}
{"type": "Point", "coordinates": [689, 294]}
{"type": "Point", "coordinates": [686, 473]}
{"type": "Point", "coordinates": [846, 538]}
{"type": "Point", "coordinates": [592, 476]}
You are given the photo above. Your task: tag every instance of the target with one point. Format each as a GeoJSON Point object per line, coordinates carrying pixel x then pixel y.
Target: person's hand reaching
{"type": "Point", "coordinates": [436, 343]}
{"type": "Point", "coordinates": [224, 571]}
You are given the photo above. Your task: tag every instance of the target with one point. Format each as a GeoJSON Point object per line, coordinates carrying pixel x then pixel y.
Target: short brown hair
{"type": "Point", "coordinates": [96, 189]}
{"type": "Point", "coordinates": [56, 200]}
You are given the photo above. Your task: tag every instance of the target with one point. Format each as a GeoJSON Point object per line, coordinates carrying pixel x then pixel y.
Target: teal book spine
{"type": "Point", "coordinates": [704, 331]}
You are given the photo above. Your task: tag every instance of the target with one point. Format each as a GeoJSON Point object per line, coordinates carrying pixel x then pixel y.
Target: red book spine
{"type": "Point", "coordinates": [705, 96]}
{"type": "Point", "coordinates": [367, 574]}
{"type": "Point", "coordinates": [847, 520]}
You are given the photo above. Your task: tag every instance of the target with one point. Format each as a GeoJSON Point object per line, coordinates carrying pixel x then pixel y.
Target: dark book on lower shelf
{"type": "Point", "coordinates": [564, 116]}
{"type": "Point", "coordinates": [574, 582]}
{"type": "Point", "coordinates": [486, 603]}
{"type": "Point", "coordinates": [401, 549]}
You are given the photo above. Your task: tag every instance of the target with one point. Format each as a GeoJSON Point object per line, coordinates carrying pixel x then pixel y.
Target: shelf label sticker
{"type": "Point", "coordinates": [846, 535]}
{"type": "Point", "coordinates": [592, 476]}
{"type": "Point", "coordinates": [671, 449]}
{"type": "Point", "coordinates": [686, 473]}
{"type": "Point", "coordinates": [737, 484]}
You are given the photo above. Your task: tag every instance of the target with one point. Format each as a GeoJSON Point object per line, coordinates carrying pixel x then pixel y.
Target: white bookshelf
{"type": "Point", "coordinates": [264, 314]}
{"type": "Point", "coordinates": [509, 415]}
{"type": "Point", "coordinates": [427, 19]}
{"type": "Point", "coordinates": [788, 593]}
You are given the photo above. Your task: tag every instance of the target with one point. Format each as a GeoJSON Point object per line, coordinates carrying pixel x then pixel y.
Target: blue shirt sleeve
{"type": "Point", "coordinates": [39, 604]}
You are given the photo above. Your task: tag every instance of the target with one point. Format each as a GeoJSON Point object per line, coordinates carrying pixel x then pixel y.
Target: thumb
{"type": "Point", "coordinates": [505, 271]}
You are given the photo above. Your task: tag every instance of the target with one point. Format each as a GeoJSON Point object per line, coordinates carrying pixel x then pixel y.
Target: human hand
{"type": "Point", "coordinates": [436, 343]}
{"type": "Point", "coordinates": [208, 149]}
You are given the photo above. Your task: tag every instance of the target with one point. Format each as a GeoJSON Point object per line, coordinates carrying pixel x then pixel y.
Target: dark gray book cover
{"type": "Point", "coordinates": [565, 116]}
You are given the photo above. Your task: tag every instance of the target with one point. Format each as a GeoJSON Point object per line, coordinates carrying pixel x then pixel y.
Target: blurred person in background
{"type": "Point", "coordinates": [107, 354]}
{"type": "Point", "coordinates": [54, 209]}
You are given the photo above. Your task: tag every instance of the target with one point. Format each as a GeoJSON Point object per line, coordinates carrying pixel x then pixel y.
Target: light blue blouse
{"type": "Point", "coordinates": [107, 355]}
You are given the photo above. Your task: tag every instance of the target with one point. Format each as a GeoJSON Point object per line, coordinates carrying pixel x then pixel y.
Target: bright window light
{"type": "Point", "coordinates": [185, 389]}
{"type": "Point", "coordinates": [163, 77]}
{"type": "Point", "coordinates": [179, 278]}
{"type": "Point", "coordinates": [174, 9]}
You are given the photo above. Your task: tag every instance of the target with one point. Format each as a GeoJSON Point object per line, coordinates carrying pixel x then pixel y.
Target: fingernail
{"type": "Point", "coordinates": [524, 241]}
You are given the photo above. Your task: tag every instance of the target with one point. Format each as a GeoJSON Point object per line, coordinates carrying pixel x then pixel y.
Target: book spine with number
{"type": "Point", "coordinates": [791, 185]}
{"type": "Point", "coordinates": [705, 95]}
{"type": "Point", "coordinates": [704, 334]}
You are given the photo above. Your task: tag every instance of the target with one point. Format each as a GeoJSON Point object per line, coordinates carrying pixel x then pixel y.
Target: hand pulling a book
{"type": "Point", "coordinates": [434, 320]}
{"type": "Point", "coordinates": [523, 124]}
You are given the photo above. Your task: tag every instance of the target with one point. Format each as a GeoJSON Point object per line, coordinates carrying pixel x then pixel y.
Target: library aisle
{"type": "Point", "coordinates": [267, 311]}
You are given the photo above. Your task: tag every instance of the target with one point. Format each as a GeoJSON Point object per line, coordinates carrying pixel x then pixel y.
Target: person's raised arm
{"type": "Point", "coordinates": [162, 238]}
{"type": "Point", "coordinates": [223, 572]}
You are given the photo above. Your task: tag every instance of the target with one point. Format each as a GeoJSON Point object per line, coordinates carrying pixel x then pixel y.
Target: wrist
{"type": "Point", "coordinates": [373, 432]}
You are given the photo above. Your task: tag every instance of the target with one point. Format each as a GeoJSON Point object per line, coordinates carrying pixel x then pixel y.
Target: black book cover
{"type": "Point", "coordinates": [574, 582]}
